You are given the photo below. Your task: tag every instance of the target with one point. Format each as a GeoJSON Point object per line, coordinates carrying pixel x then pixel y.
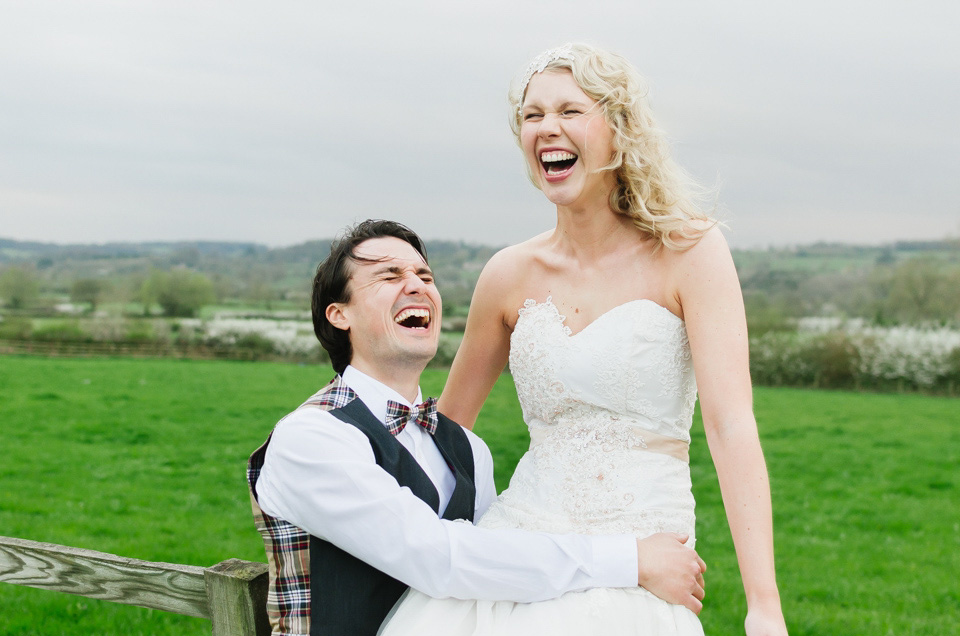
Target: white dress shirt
{"type": "Point", "coordinates": [320, 474]}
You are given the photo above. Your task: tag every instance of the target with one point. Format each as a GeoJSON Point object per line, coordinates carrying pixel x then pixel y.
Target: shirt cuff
{"type": "Point", "coordinates": [616, 560]}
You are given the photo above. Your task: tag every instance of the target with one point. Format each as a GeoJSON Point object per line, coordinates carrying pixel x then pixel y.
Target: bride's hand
{"type": "Point", "coordinates": [671, 570]}
{"type": "Point", "coordinates": [765, 623]}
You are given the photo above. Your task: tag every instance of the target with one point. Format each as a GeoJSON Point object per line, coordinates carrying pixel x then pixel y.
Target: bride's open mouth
{"type": "Point", "coordinates": [557, 163]}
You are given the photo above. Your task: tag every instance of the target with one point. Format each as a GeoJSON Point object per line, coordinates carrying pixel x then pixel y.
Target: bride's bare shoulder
{"type": "Point", "coordinates": [511, 263]}
{"type": "Point", "coordinates": [705, 244]}
{"type": "Point", "coordinates": [706, 269]}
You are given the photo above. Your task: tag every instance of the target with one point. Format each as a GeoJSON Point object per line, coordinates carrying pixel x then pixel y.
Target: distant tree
{"type": "Point", "coordinates": [18, 286]}
{"type": "Point", "coordinates": [262, 293]}
{"type": "Point", "coordinates": [924, 289]}
{"type": "Point", "coordinates": [224, 287]}
{"type": "Point", "coordinates": [850, 293]}
{"type": "Point", "coordinates": [149, 289]}
{"type": "Point", "coordinates": [887, 256]}
{"type": "Point", "coordinates": [765, 313]}
{"type": "Point", "coordinates": [179, 292]}
{"type": "Point", "coordinates": [87, 290]}
{"type": "Point", "coordinates": [262, 285]}
{"type": "Point", "coordinates": [186, 256]}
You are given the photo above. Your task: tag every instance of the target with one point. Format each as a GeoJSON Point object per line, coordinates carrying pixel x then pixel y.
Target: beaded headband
{"type": "Point", "coordinates": [541, 62]}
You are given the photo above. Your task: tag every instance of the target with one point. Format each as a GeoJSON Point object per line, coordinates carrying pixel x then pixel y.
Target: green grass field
{"type": "Point", "coordinates": [146, 458]}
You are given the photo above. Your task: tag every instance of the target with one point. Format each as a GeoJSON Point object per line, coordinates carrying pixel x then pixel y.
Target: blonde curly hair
{"type": "Point", "coordinates": [658, 196]}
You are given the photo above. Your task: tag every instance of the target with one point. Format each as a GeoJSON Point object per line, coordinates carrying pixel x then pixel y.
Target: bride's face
{"type": "Point", "coordinates": [566, 140]}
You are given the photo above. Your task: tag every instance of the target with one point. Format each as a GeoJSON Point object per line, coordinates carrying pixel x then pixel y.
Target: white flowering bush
{"type": "Point", "coordinates": [908, 356]}
{"type": "Point", "coordinates": [292, 337]}
{"type": "Point", "coordinates": [780, 359]}
{"type": "Point", "coordinates": [837, 354]}
{"type": "Point", "coordinates": [284, 338]}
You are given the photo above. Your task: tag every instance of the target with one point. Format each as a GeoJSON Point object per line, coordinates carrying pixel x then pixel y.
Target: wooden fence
{"type": "Point", "coordinates": [231, 594]}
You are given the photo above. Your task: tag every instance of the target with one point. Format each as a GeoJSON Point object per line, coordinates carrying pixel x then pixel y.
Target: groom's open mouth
{"type": "Point", "coordinates": [413, 318]}
{"type": "Point", "coordinates": [557, 162]}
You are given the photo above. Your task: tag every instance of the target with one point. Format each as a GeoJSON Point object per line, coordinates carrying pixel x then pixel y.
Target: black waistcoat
{"type": "Point", "coordinates": [347, 596]}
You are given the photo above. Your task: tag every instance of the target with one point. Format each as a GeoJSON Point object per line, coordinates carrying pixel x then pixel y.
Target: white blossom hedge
{"type": "Point", "coordinates": [283, 338]}
{"type": "Point", "coordinates": [854, 355]}
{"type": "Point", "coordinates": [286, 338]}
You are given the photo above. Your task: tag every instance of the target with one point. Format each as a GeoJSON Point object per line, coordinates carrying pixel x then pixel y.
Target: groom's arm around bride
{"type": "Point", "coordinates": [365, 490]}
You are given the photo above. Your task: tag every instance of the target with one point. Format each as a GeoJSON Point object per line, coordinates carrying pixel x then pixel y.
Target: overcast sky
{"type": "Point", "coordinates": [282, 122]}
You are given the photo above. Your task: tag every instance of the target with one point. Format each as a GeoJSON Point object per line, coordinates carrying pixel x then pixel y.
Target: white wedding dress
{"type": "Point", "coordinates": [609, 411]}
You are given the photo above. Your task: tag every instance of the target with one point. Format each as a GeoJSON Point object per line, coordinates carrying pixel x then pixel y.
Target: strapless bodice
{"type": "Point", "coordinates": [632, 363]}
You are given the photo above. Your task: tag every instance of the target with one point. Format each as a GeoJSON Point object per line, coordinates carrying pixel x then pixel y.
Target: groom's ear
{"type": "Point", "coordinates": [337, 317]}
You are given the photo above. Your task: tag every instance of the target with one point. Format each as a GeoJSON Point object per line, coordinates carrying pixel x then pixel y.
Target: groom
{"type": "Point", "coordinates": [363, 490]}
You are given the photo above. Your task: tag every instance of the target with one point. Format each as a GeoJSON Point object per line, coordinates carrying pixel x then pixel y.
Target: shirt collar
{"type": "Point", "coordinates": [373, 393]}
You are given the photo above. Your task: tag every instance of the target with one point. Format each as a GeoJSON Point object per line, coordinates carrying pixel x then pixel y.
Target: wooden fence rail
{"type": "Point", "coordinates": [232, 594]}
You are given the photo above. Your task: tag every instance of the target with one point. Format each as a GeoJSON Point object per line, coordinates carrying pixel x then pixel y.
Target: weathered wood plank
{"type": "Point", "coordinates": [237, 595]}
{"type": "Point", "coordinates": [164, 586]}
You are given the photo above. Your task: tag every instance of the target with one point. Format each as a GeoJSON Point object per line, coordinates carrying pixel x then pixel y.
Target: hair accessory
{"type": "Point", "coordinates": [541, 62]}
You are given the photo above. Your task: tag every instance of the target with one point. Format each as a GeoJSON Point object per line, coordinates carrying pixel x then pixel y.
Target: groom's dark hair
{"type": "Point", "coordinates": [331, 284]}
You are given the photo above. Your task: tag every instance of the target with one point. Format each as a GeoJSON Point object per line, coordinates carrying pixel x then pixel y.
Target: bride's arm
{"type": "Point", "coordinates": [485, 347]}
{"type": "Point", "coordinates": [709, 293]}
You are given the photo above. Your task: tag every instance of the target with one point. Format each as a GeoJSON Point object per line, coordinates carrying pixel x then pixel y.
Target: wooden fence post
{"type": "Point", "coordinates": [237, 598]}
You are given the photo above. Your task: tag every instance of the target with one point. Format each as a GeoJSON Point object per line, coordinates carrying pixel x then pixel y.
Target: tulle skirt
{"type": "Point", "coordinates": [604, 612]}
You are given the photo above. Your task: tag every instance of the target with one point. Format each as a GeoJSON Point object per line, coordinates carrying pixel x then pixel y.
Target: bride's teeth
{"type": "Point", "coordinates": [549, 157]}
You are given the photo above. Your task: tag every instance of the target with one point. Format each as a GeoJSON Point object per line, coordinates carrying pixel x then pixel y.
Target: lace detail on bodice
{"type": "Point", "coordinates": [588, 399]}
{"type": "Point", "coordinates": [633, 360]}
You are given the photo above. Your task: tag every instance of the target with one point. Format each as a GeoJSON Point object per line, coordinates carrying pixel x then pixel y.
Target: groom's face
{"type": "Point", "coordinates": [394, 311]}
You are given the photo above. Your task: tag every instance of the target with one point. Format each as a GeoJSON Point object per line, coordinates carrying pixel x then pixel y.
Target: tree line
{"type": "Point", "coordinates": [906, 283]}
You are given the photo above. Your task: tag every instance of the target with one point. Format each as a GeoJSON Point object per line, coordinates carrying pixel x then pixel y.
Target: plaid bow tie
{"type": "Point", "coordinates": [424, 414]}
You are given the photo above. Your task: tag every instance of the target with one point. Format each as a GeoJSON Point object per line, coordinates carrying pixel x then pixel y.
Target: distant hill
{"type": "Point", "coordinates": [778, 282]}
{"type": "Point", "coordinates": [288, 270]}
{"type": "Point", "coordinates": [19, 251]}
{"type": "Point", "coordinates": [12, 251]}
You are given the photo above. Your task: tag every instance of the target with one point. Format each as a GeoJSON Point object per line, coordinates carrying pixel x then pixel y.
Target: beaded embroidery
{"type": "Point", "coordinates": [541, 62]}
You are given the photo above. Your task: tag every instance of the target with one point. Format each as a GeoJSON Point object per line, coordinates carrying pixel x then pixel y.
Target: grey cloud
{"type": "Point", "coordinates": [282, 123]}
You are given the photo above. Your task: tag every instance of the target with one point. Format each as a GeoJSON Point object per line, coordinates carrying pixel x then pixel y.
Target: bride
{"type": "Point", "coordinates": [611, 323]}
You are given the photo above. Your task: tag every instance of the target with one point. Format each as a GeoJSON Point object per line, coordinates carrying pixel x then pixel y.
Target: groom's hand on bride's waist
{"type": "Point", "coordinates": [671, 570]}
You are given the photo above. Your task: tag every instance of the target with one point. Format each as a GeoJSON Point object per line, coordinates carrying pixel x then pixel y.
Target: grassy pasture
{"type": "Point", "coordinates": [145, 458]}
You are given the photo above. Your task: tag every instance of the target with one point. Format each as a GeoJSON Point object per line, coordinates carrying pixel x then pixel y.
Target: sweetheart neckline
{"type": "Point", "coordinates": [563, 319]}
